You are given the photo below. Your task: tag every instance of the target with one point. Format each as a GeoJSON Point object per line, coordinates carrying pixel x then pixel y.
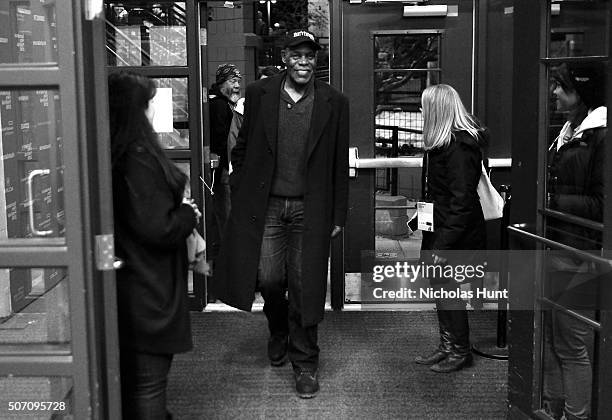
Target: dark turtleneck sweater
{"type": "Point", "coordinates": [293, 128]}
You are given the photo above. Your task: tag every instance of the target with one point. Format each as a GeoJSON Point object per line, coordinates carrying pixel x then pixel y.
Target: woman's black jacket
{"type": "Point", "coordinates": [576, 186]}
{"type": "Point", "coordinates": [151, 227]}
{"type": "Point", "coordinates": [453, 173]}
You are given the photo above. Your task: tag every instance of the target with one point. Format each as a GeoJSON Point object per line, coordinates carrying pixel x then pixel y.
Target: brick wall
{"type": "Point", "coordinates": [230, 38]}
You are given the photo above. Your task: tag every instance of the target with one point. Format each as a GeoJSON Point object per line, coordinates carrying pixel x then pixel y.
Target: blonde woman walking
{"type": "Point", "coordinates": [451, 170]}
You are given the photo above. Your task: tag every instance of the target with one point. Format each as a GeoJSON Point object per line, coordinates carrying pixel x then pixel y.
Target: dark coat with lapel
{"type": "Point", "coordinates": [325, 194]}
{"type": "Point", "coordinates": [151, 227]}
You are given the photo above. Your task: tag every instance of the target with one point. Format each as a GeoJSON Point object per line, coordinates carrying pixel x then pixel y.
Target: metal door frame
{"type": "Point", "coordinates": [195, 153]}
{"type": "Point", "coordinates": [84, 358]}
{"type": "Point", "coordinates": [337, 59]}
{"type": "Point", "coordinates": [531, 26]}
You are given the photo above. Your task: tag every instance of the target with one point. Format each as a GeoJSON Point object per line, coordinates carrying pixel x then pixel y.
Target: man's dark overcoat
{"type": "Point", "coordinates": [325, 194]}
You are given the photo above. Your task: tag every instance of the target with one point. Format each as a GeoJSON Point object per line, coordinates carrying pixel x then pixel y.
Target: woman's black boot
{"type": "Point", "coordinates": [445, 347]}
{"type": "Point", "coordinates": [453, 363]}
{"type": "Point", "coordinates": [460, 356]}
{"type": "Point", "coordinates": [437, 356]}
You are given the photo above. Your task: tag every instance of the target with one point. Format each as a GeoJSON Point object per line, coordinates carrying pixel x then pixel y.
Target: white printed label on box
{"type": "Point", "coordinates": [425, 213]}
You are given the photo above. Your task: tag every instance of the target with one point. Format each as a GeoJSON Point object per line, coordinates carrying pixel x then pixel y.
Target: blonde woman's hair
{"type": "Point", "coordinates": [443, 113]}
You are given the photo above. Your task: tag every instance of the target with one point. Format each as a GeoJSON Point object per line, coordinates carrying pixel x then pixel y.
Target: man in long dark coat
{"type": "Point", "coordinates": [289, 197]}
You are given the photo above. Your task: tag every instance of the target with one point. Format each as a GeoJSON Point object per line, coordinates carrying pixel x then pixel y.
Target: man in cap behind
{"type": "Point", "coordinates": [224, 94]}
{"type": "Point", "coordinates": [289, 198]}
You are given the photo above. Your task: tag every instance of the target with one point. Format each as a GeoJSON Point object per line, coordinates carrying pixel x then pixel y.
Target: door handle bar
{"type": "Point", "coordinates": [403, 162]}
{"type": "Point", "coordinates": [398, 162]}
{"type": "Point", "coordinates": [31, 176]}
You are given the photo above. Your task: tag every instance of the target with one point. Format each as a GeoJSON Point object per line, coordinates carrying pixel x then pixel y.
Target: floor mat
{"type": "Point", "coordinates": [366, 371]}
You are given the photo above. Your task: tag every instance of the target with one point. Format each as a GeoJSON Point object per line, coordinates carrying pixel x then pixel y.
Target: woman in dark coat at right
{"type": "Point", "coordinates": [451, 171]}
{"type": "Point", "coordinates": [152, 222]}
{"type": "Point", "coordinates": [575, 186]}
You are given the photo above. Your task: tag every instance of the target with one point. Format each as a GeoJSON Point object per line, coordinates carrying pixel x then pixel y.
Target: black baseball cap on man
{"type": "Point", "coordinates": [300, 36]}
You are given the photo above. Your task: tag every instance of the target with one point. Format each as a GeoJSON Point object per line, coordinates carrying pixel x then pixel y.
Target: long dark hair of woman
{"type": "Point", "coordinates": [129, 96]}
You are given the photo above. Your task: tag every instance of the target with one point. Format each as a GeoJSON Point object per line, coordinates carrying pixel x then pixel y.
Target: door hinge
{"type": "Point", "coordinates": [105, 252]}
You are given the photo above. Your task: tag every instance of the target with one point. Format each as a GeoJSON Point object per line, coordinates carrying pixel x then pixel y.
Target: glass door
{"type": "Point", "coordinates": [387, 62]}
{"type": "Point", "coordinates": [572, 214]}
{"type": "Point", "coordinates": [249, 35]}
{"type": "Point", "coordinates": [565, 279]}
{"type": "Point", "coordinates": [53, 358]}
{"type": "Point", "coordinates": [160, 41]}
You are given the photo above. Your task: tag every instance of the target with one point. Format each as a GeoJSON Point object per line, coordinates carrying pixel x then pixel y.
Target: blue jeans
{"type": "Point", "coordinates": [143, 385]}
{"type": "Point", "coordinates": [280, 274]}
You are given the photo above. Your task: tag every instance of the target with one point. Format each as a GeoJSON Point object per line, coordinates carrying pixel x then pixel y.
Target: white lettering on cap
{"type": "Point", "coordinates": [303, 33]}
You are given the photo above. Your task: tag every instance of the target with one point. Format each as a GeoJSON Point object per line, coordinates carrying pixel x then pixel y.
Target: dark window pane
{"type": "Point", "coordinates": [578, 28]}
{"type": "Point", "coordinates": [32, 168]}
{"type": "Point", "coordinates": [146, 34]}
{"type": "Point", "coordinates": [403, 88]}
{"type": "Point", "coordinates": [404, 65]}
{"type": "Point", "coordinates": [28, 32]}
{"type": "Point", "coordinates": [178, 138]}
{"type": "Point", "coordinates": [35, 310]}
{"type": "Point", "coordinates": [418, 51]}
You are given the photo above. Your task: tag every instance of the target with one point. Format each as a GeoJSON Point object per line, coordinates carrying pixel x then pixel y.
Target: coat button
{"type": "Point", "coordinates": [262, 184]}
{"type": "Point", "coordinates": [270, 150]}
{"type": "Point", "coordinates": [253, 218]}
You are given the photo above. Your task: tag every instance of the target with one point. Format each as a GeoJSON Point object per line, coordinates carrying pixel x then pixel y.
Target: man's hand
{"type": "Point", "coordinates": [336, 231]}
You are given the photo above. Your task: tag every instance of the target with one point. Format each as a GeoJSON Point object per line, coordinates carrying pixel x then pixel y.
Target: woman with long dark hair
{"type": "Point", "coordinates": [152, 222]}
{"type": "Point", "coordinates": [451, 171]}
